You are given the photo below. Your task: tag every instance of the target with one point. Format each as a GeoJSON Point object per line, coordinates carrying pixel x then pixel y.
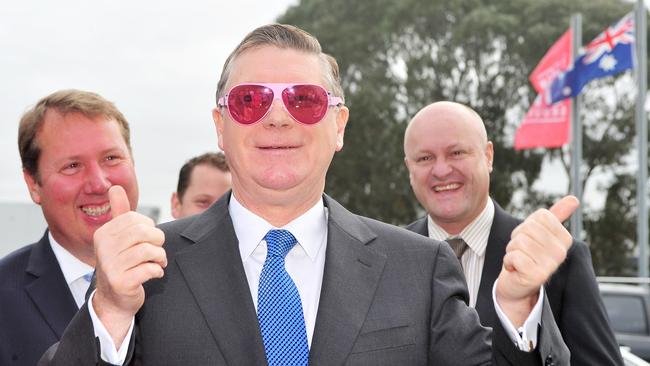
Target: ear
{"type": "Point", "coordinates": [218, 124]}
{"type": "Point", "coordinates": [176, 206]}
{"type": "Point", "coordinates": [489, 155]}
{"type": "Point", "coordinates": [341, 121]}
{"type": "Point", "coordinates": [33, 187]}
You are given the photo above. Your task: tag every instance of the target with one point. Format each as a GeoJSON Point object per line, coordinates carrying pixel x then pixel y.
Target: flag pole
{"type": "Point", "coordinates": [642, 138]}
{"type": "Point", "coordinates": [576, 132]}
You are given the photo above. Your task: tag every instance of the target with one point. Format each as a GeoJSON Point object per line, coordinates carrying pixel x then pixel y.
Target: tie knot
{"type": "Point", "coordinates": [279, 242]}
{"type": "Point", "coordinates": [458, 245]}
{"type": "Point", "coordinates": [88, 277]}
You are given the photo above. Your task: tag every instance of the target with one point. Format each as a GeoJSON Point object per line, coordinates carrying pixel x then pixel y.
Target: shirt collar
{"type": "Point", "coordinates": [71, 266]}
{"type": "Point", "coordinates": [476, 234]}
{"type": "Point", "coordinates": [310, 228]}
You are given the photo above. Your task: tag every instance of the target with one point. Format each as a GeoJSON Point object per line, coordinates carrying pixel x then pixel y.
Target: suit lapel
{"type": "Point", "coordinates": [214, 272]}
{"type": "Point", "coordinates": [48, 289]}
{"type": "Point", "coordinates": [352, 272]}
{"type": "Point", "coordinates": [420, 226]}
{"type": "Point", "coordinates": [502, 226]}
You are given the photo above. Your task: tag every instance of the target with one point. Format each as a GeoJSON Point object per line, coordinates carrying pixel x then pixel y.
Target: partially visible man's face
{"type": "Point", "coordinates": [80, 159]}
{"type": "Point", "coordinates": [206, 184]}
{"type": "Point", "coordinates": [278, 161]}
{"type": "Point", "coordinates": [449, 162]}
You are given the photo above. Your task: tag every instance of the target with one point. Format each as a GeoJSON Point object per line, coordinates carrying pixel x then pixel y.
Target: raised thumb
{"type": "Point", "coordinates": [563, 208]}
{"type": "Point", "coordinates": [118, 200]}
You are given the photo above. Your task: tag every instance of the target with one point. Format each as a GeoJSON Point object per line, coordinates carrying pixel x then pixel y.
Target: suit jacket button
{"type": "Point", "coordinates": [549, 361]}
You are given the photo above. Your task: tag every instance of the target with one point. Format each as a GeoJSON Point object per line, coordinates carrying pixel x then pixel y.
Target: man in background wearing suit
{"type": "Point", "coordinates": [73, 145]}
{"type": "Point", "coordinates": [276, 272]}
{"type": "Point", "coordinates": [201, 181]}
{"type": "Point", "coordinates": [450, 159]}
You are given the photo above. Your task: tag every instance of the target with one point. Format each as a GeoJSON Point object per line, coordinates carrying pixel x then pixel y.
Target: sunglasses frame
{"type": "Point", "coordinates": [277, 89]}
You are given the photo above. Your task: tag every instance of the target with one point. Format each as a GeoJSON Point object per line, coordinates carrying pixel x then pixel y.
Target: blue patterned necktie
{"type": "Point", "coordinates": [279, 309]}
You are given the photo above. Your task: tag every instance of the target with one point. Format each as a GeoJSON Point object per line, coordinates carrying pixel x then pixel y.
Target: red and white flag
{"type": "Point", "coordinates": [547, 125]}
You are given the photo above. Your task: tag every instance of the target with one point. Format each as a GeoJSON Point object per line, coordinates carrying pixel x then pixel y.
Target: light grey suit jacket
{"type": "Point", "coordinates": [388, 297]}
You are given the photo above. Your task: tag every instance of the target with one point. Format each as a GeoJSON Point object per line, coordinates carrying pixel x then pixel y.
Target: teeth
{"type": "Point", "coordinates": [447, 187]}
{"type": "Point", "coordinates": [97, 210]}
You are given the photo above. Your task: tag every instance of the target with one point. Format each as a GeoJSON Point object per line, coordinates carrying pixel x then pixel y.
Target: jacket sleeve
{"type": "Point", "coordinates": [582, 315]}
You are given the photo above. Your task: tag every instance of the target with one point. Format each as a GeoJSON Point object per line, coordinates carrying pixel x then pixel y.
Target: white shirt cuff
{"type": "Point", "coordinates": [109, 352]}
{"type": "Point", "coordinates": [526, 336]}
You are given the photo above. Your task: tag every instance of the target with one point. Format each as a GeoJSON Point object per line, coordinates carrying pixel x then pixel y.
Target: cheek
{"type": "Point", "coordinates": [60, 191]}
{"type": "Point", "coordinates": [419, 176]}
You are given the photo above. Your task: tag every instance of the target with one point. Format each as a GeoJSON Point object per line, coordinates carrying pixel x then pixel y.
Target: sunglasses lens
{"type": "Point", "coordinates": [249, 103]}
{"type": "Point", "coordinates": [306, 103]}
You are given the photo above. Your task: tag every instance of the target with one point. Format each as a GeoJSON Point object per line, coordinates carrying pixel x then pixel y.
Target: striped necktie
{"type": "Point", "coordinates": [459, 247]}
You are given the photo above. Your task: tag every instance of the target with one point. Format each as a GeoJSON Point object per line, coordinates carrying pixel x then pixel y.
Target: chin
{"type": "Point", "coordinates": [279, 182]}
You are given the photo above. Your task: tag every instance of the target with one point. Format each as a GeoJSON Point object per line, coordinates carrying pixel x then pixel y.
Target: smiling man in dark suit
{"type": "Point", "coordinates": [74, 145]}
{"type": "Point", "coordinates": [450, 159]}
{"type": "Point", "coordinates": [278, 273]}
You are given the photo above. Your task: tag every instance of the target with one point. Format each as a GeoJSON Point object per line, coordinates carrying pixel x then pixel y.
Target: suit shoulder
{"type": "Point", "coordinates": [416, 222]}
{"type": "Point", "coordinates": [174, 233]}
{"type": "Point", "coordinates": [398, 237]}
{"type": "Point", "coordinates": [175, 227]}
{"type": "Point", "coordinates": [15, 263]}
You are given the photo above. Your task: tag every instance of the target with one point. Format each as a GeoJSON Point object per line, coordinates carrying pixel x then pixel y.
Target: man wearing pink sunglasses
{"type": "Point", "coordinates": [278, 273]}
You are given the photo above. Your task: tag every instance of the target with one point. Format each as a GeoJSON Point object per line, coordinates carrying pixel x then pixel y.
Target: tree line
{"type": "Point", "coordinates": [395, 57]}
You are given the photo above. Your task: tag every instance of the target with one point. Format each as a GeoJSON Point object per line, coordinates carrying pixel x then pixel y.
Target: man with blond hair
{"type": "Point", "coordinates": [74, 145]}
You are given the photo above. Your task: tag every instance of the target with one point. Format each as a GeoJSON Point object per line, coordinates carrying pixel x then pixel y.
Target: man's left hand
{"type": "Point", "coordinates": [536, 249]}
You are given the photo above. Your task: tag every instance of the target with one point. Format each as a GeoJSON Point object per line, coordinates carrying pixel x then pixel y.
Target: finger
{"type": "Point", "coordinates": [118, 200]}
{"type": "Point", "coordinates": [144, 272]}
{"type": "Point", "coordinates": [548, 254]}
{"type": "Point", "coordinates": [554, 228]}
{"type": "Point", "coordinates": [141, 233]}
{"type": "Point", "coordinates": [563, 208]}
{"type": "Point", "coordinates": [141, 253]}
{"type": "Point", "coordinates": [528, 273]}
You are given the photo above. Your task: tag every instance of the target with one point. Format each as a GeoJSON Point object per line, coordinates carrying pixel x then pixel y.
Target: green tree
{"type": "Point", "coordinates": [398, 56]}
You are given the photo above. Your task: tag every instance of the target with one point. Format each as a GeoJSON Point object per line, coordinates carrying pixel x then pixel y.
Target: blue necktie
{"type": "Point", "coordinates": [88, 276]}
{"type": "Point", "coordinates": [279, 309]}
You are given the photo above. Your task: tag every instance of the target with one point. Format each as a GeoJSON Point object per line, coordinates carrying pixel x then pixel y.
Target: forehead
{"type": "Point", "coordinates": [445, 127]}
{"type": "Point", "coordinates": [75, 132]}
{"type": "Point", "coordinates": [270, 64]}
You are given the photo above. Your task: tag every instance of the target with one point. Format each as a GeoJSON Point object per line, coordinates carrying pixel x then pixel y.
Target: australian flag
{"type": "Point", "coordinates": [608, 54]}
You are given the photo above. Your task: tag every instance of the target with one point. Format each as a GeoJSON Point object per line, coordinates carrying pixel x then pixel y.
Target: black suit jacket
{"type": "Point", "coordinates": [35, 303]}
{"type": "Point", "coordinates": [572, 293]}
{"type": "Point", "coordinates": [388, 297]}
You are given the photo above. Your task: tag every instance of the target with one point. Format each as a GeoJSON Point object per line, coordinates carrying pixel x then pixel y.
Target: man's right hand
{"type": "Point", "coordinates": [129, 253]}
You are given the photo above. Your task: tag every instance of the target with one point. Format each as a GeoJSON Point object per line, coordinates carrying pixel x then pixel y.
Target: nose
{"type": "Point", "coordinates": [96, 180]}
{"type": "Point", "coordinates": [278, 116]}
{"type": "Point", "coordinates": [440, 168]}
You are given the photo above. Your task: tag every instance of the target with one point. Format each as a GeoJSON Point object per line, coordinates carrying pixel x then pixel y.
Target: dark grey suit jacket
{"type": "Point", "coordinates": [35, 303]}
{"type": "Point", "coordinates": [389, 297]}
{"type": "Point", "coordinates": [572, 293]}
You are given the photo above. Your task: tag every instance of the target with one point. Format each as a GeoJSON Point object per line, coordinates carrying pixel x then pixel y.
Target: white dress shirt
{"type": "Point", "coordinates": [476, 235]}
{"type": "Point", "coordinates": [73, 271]}
{"type": "Point", "coordinates": [305, 263]}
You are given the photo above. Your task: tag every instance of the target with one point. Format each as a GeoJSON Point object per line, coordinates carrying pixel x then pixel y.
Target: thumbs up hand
{"type": "Point", "coordinates": [536, 249]}
{"type": "Point", "coordinates": [129, 253]}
